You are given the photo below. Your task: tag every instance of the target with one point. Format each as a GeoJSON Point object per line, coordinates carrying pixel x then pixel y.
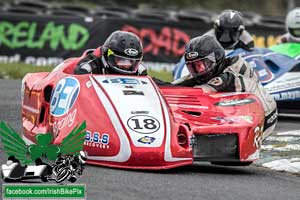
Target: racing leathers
{"type": "Point", "coordinates": [245, 40]}
{"type": "Point", "coordinates": [237, 75]}
{"type": "Point", "coordinates": [94, 63]}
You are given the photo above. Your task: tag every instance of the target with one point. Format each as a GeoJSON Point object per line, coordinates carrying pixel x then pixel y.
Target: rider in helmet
{"type": "Point", "coordinates": [211, 71]}
{"type": "Point", "coordinates": [121, 53]}
{"type": "Point", "coordinates": [82, 157]}
{"type": "Point", "coordinates": [229, 29]}
{"type": "Point", "coordinates": [292, 24]}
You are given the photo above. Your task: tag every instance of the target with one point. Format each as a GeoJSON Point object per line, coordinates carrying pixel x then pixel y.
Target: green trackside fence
{"type": "Point", "coordinates": [49, 191]}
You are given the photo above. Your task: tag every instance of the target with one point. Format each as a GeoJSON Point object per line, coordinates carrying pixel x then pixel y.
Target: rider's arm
{"type": "Point", "coordinates": [83, 69]}
{"type": "Point", "coordinates": [187, 81]}
{"type": "Point", "coordinates": [85, 66]}
{"type": "Point", "coordinates": [142, 70]}
{"type": "Point", "coordinates": [246, 41]}
{"type": "Point", "coordinates": [225, 82]}
{"type": "Point", "coordinates": [161, 82]}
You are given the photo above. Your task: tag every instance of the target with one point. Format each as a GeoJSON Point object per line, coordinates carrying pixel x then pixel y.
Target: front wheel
{"type": "Point", "coordinates": [72, 179]}
{"type": "Point", "coordinates": [44, 178]}
{"type": "Point", "coordinates": [63, 175]}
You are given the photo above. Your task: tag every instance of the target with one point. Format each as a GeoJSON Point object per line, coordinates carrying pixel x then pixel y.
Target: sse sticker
{"type": "Point", "coordinates": [146, 140]}
{"type": "Point", "coordinates": [144, 124]}
{"type": "Point", "coordinates": [64, 96]}
{"type": "Point", "coordinates": [95, 139]}
{"type": "Point", "coordinates": [235, 102]}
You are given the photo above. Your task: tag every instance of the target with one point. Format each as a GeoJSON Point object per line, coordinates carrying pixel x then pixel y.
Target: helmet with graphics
{"type": "Point", "coordinates": [82, 157]}
{"type": "Point", "coordinates": [228, 27]}
{"type": "Point", "coordinates": [122, 52]}
{"type": "Point", "coordinates": [203, 57]}
{"type": "Point", "coordinates": [292, 23]}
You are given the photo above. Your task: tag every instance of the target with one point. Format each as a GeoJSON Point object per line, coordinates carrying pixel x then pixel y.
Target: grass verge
{"type": "Point", "coordinates": [19, 70]}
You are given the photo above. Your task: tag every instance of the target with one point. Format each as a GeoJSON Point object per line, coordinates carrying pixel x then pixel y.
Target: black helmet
{"type": "Point", "coordinates": [122, 52]}
{"type": "Point", "coordinates": [82, 157]}
{"type": "Point", "coordinates": [228, 28]}
{"type": "Point", "coordinates": [203, 57]}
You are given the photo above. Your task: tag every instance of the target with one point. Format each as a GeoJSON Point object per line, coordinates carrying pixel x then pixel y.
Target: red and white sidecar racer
{"type": "Point", "coordinates": [132, 123]}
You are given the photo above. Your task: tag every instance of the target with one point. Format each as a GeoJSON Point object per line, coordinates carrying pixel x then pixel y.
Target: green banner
{"type": "Point", "coordinates": [48, 191]}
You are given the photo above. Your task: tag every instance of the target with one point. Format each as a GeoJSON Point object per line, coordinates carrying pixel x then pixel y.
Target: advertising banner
{"type": "Point", "coordinates": [48, 40]}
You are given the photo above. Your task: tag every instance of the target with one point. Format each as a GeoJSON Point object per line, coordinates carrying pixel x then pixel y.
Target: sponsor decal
{"type": "Point", "coordinates": [69, 156]}
{"type": "Point", "coordinates": [234, 119]}
{"type": "Point", "coordinates": [192, 141]}
{"type": "Point", "coordinates": [217, 81]}
{"type": "Point", "coordinates": [131, 52]}
{"type": "Point", "coordinates": [97, 140]}
{"type": "Point", "coordinates": [235, 102]}
{"type": "Point", "coordinates": [64, 122]}
{"type": "Point", "coordinates": [192, 55]}
{"type": "Point", "coordinates": [127, 81]}
{"type": "Point", "coordinates": [258, 133]}
{"type": "Point", "coordinates": [272, 118]}
{"type": "Point", "coordinates": [88, 84]}
{"type": "Point", "coordinates": [168, 41]}
{"type": "Point", "coordinates": [262, 70]}
{"type": "Point", "coordinates": [64, 96]}
{"type": "Point", "coordinates": [290, 82]}
{"type": "Point", "coordinates": [139, 112]}
{"type": "Point", "coordinates": [128, 86]}
{"type": "Point", "coordinates": [146, 140]}
{"type": "Point", "coordinates": [144, 124]}
{"type": "Point", "coordinates": [227, 94]}
{"type": "Point", "coordinates": [132, 92]}
{"type": "Point", "coordinates": [289, 95]}
{"type": "Point", "coordinates": [69, 36]}
{"type": "Point", "coordinates": [188, 106]}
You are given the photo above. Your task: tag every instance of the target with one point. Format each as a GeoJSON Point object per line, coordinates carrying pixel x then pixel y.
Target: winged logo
{"type": "Point", "coordinates": [14, 145]}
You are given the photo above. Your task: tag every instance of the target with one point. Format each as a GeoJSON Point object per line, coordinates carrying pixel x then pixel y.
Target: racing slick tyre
{"type": "Point", "coordinates": [63, 175]}
{"type": "Point", "coordinates": [44, 178]}
{"type": "Point", "coordinates": [72, 179]}
{"type": "Point", "coordinates": [232, 163]}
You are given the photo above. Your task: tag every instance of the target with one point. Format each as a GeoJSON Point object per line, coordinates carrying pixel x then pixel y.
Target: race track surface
{"type": "Point", "coordinates": [200, 181]}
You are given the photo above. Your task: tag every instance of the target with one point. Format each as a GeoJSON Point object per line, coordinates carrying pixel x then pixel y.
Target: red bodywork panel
{"type": "Point", "coordinates": [132, 123]}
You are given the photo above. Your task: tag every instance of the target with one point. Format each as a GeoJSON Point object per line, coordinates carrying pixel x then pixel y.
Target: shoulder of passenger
{"type": "Point", "coordinates": [237, 64]}
{"type": "Point", "coordinates": [182, 79]}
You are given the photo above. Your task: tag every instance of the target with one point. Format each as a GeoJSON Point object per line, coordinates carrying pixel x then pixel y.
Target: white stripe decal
{"type": "Point", "coordinates": [31, 109]}
{"type": "Point", "coordinates": [168, 154]}
{"type": "Point", "coordinates": [125, 150]}
{"type": "Point", "coordinates": [26, 140]}
{"type": "Point", "coordinates": [262, 55]}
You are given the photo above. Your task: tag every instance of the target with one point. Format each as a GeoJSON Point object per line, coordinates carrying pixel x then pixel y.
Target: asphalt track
{"type": "Point", "coordinates": [200, 181]}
